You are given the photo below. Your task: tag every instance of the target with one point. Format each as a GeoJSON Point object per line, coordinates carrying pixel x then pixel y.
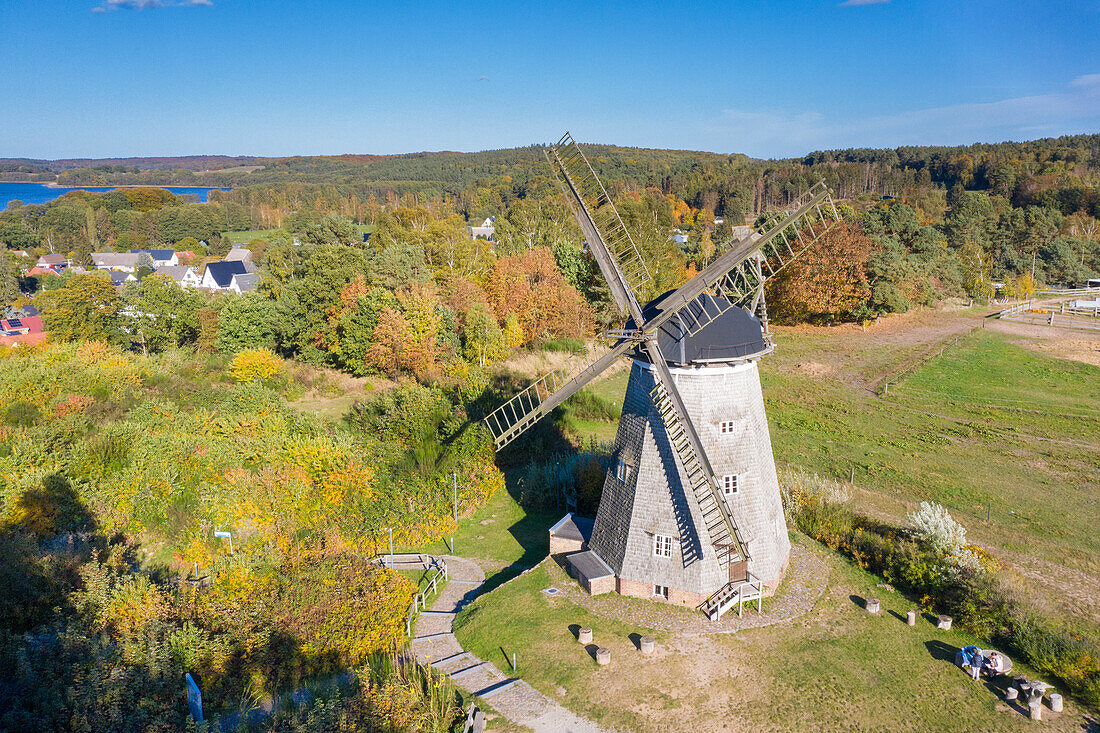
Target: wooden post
{"type": "Point", "coordinates": [911, 618]}
{"type": "Point", "coordinates": [603, 656]}
{"type": "Point", "coordinates": [646, 646]}
{"type": "Point", "coordinates": [1056, 702]}
{"type": "Point", "coordinates": [852, 475]}
{"type": "Point", "coordinates": [944, 623]}
{"type": "Point", "coordinates": [584, 636]}
{"type": "Point", "coordinates": [872, 605]}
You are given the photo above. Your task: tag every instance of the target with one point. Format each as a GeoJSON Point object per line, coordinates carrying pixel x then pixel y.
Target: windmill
{"type": "Point", "coordinates": [691, 513]}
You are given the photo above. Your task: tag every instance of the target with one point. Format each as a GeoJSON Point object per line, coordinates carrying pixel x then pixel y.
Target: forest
{"type": "Point", "coordinates": [156, 415]}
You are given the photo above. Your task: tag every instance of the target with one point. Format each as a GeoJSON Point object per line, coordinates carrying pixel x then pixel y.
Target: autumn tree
{"type": "Point", "coordinates": [163, 314]}
{"type": "Point", "coordinates": [828, 281]}
{"type": "Point", "coordinates": [85, 307]}
{"type": "Point", "coordinates": [530, 286]}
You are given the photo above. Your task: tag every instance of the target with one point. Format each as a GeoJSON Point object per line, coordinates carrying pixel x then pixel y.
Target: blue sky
{"type": "Point", "coordinates": [103, 78]}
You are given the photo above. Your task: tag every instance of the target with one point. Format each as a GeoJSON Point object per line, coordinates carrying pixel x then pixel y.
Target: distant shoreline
{"type": "Point", "coordinates": [55, 184]}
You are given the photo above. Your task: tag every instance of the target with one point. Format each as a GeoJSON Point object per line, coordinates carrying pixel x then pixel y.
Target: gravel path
{"type": "Point", "coordinates": [805, 581]}
{"type": "Point", "coordinates": [434, 643]}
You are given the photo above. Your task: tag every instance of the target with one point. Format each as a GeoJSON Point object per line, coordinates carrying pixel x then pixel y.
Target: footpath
{"type": "Point", "coordinates": [434, 643]}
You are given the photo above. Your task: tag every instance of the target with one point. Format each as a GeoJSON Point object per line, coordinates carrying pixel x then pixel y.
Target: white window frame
{"type": "Point", "coordinates": [662, 545]}
{"type": "Point", "coordinates": [726, 427]}
{"type": "Point", "coordinates": [622, 471]}
{"type": "Point", "coordinates": [731, 484]}
{"type": "Point", "coordinates": [660, 591]}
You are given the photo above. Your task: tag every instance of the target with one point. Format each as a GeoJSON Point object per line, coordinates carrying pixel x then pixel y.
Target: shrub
{"type": "Point", "coordinates": [22, 414]}
{"type": "Point", "coordinates": [933, 525]}
{"type": "Point", "coordinates": [251, 365]}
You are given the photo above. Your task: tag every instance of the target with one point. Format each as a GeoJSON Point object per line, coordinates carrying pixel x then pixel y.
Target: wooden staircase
{"type": "Point", "coordinates": [736, 591]}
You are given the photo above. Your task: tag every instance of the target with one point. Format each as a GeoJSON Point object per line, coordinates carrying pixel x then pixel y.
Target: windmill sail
{"type": "Point", "coordinates": [619, 259]}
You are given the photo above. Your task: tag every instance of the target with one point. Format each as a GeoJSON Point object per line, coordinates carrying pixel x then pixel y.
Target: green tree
{"type": "Point", "coordinates": [85, 307]}
{"type": "Point", "coordinates": [482, 340]}
{"type": "Point", "coordinates": [246, 322]}
{"type": "Point", "coordinates": [164, 314]}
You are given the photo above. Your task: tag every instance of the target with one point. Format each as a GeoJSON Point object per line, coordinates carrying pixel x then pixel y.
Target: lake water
{"type": "Point", "coordinates": [38, 193]}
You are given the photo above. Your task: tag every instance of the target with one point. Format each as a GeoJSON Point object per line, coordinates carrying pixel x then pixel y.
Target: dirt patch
{"type": "Point", "coordinates": [1059, 343]}
{"type": "Point", "coordinates": [813, 369]}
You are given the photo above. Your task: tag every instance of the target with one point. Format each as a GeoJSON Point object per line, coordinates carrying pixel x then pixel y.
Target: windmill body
{"type": "Point", "coordinates": [650, 528]}
{"type": "Point", "coordinates": [691, 513]}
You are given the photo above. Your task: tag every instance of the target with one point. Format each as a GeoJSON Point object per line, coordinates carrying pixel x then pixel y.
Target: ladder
{"type": "Point", "coordinates": [571, 163]}
{"type": "Point", "coordinates": [717, 518]}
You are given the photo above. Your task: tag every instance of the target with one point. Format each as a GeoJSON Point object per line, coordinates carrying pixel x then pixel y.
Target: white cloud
{"type": "Point", "coordinates": [148, 4]}
{"type": "Point", "coordinates": [778, 133]}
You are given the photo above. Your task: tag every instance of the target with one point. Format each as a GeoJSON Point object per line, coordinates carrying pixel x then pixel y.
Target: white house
{"type": "Point", "coordinates": [160, 257]}
{"type": "Point", "coordinates": [219, 275]}
{"type": "Point", "coordinates": [185, 276]}
{"type": "Point", "coordinates": [245, 283]}
{"type": "Point", "coordinates": [116, 261]}
{"type": "Point", "coordinates": [486, 230]}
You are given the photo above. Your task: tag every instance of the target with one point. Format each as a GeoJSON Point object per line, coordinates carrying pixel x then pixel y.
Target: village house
{"type": "Point", "coordinates": [117, 261]}
{"type": "Point", "coordinates": [487, 229]}
{"type": "Point", "coordinates": [56, 263]}
{"type": "Point", "coordinates": [23, 331]}
{"type": "Point", "coordinates": [219, 275]}
{"type": "Point", "coordinates": [160, 257]}
{"type": "Point", "coordinates": [238, 254]}
{"type": "Point", "coordinates": [245, 283]}
{"type": "Point", "coordinates": [120, 278]}
{"type": "Point", "coordinates": [185, 277]}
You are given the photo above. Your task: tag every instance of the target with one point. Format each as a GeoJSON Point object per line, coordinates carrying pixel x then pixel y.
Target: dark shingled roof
{"type": "Point", "coordinates": [572, 527]}
{"type": "Point", "coordinates": [734, 335]}
{"type": "Point", "coordinates": [589, 564]}
{"type": "Point", "coordinates": [223, 272]}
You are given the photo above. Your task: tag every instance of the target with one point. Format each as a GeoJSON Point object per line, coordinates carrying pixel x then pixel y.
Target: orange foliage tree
{"type": "Point", "coordinates": [531, 286]}
{"type": "Point", "coordinates": [829, 280]}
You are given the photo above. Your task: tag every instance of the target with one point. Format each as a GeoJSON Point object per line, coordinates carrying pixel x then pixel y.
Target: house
{"type": "Point", "coordinates": [20, 252]}
{"type": "Point", "coordinates": [21, 326]}
{"type": "Point", "coordinates": [486, 230]}
{"type": "Point", "coordinates": [219, 275]}
{"type": "Point", "coordinates": [53, 262]}
{"type": "Point", "coordinates": [679, 237]}
{"type": "Point", "coordinates": [41, 271]}
{"type": "Point", "coordinates": [245, 283]}
{"type": "Point", "coordinates": [185, 277]}
{"type": "Point", "coordinates": [742, 231]}
{"type": "Point", "coordinates": [239, 254]}
{"type": "Point", "coordinates": [118, 278]}
{"type": "Point", "coordinates": [160, 257]}
{"type": "Point", "coordinates": [117, 261]}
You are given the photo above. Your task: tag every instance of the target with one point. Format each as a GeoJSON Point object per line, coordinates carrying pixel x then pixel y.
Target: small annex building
{"type": "Point", "coordinates": [569, 543]}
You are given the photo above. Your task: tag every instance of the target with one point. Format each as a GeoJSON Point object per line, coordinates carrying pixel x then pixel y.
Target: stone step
{"type": "Point", "coordinates": [496, 689]}
{"type": "Point", "coordinates": [452, 663]}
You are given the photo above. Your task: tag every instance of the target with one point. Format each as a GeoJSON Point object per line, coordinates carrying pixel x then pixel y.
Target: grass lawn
{"type": "Point", "coordinates": [502, 535]}
{"type": "Point", "coordinates": [836, 668]}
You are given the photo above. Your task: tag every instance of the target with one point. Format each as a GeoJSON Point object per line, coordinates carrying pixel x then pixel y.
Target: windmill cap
{"type": "Point", "coordinates": [733, 335]}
